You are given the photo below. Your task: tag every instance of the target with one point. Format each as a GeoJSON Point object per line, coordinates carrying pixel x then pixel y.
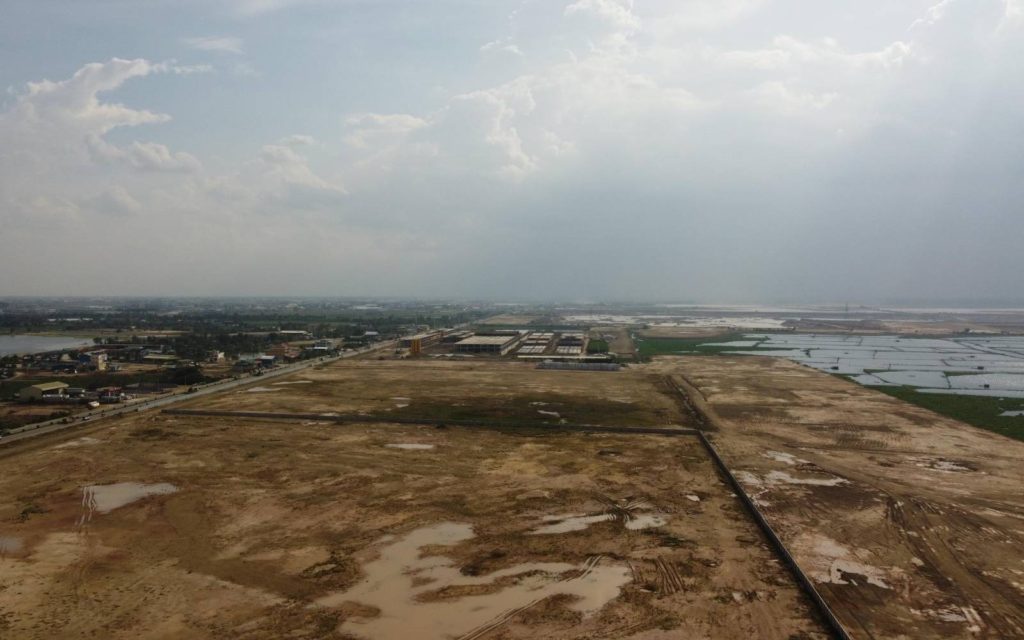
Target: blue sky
{"type": "Point", "coordinates": [726, 150]}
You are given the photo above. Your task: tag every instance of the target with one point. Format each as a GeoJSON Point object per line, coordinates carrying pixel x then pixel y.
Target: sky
{"type": "Point", "coordinates": [670, 150]}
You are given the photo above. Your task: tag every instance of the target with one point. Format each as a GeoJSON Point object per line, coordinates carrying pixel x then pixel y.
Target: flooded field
{"type": "Point", "coordinates": [206, 528]}
{"type": "Point", "coordinates": [910, 524]}
{"type": "Point", "coordinates": [984, 366]}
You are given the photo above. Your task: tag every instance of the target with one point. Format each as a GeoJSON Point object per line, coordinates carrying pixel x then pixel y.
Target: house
{"type": "Point", "coordinates": [36, 392]}
{"type": "Point", "coordinates": [94, 360]}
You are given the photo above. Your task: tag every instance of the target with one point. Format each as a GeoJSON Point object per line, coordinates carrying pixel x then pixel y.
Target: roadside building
{"type": "Point", "coordinates": [421, 341]}
{"type": "Point", "coordinates": [160, 359]}
{"type": "Point", "coordinates": [214, 356]}
{"type": "Point", "coordinates": [36, 392]}
{"type": "Point", "coordinates": [492, 345]}
{"type": "Point", "coordinates": [94, 360]}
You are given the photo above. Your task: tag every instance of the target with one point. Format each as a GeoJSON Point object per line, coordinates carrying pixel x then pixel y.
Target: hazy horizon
{"type": "Point", "coordinates": [715, 151]}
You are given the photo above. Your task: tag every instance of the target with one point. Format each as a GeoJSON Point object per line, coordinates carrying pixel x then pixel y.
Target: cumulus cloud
{"type": "Point", "coordinates": [729, 147]}
{"type": "Point", "coordinates": [298, 140]}
{"type": "Point", "coordinates": [226, 44]}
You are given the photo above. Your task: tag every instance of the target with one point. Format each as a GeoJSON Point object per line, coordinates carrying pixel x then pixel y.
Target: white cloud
{"type": "Point", "coordinates": [226, 44]}
{"type": "Point", "coordinates": [503, 46]}
{"type": "Point", "coordinates": [115, 201]}
{"type": "Point", "coordinates": [678, 126]}
{"type": "Point", "coordinates": [298, 140]}
{"type": "Point", "coordinates": [617, 14]}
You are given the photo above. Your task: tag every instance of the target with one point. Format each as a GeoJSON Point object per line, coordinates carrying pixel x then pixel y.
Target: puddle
{"type": "Point", "coordinates": [831, 562]}
{"type": "Point", "coordinates": [276, 384]}
{"type": "Point", "coordinates": [633, 516]}
{"type": "Point", "coordinates": [399, 581]}
{"type": "Point", "coordinates": [785, 458]}
{"type": "Point", "coordinates": [941, 464]}
{"type": "Point", "coordinates": [10, 544]}
{"type": "Point", "coordinates": [80, 442]}
{"type": "Point", "coordinates": [401, 405]}
{"type": "Point", "coordinates": [645, 521]}
{"type": "Point", "coordinates": [261, 390]}
{"type": "Point", "coordinates": [553, 414]}
{"type": "Point", "coordinates": [774, 477]}
{"type": "Point", "coordinates": [104, 498]}
{"type": "Point", "coordinates": [398, 399]}
{"type": "Point", "coordinates": [410, 447]}
{"type": "Point", "coordinates": [1012, 414]}
{"type": "Point", "coordinates": [570, 522]}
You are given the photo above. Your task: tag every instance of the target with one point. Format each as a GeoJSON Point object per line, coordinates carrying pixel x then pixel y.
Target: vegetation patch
{"type": "Point", "coordinates": [650, 347]}
{"type": "Point", "coordinates": [980, 411]}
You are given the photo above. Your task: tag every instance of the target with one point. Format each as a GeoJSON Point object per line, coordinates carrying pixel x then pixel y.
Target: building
{"type": "Point", "coordinates": [94, 360]}
{"type": "Point", "coordinates": [160, 359]}
{"type": "Point", "coordinates": [456, 336]}
{"type": "Point", "coordinates": [493, 345]}
{"type": "Point", "coordinates": [214, 356]}
{"type": "Point", "coordinates": [421, 341]}
{"type": "Point", "coordinates": [36, 392]}
{"type": "Point", "coordinates": [292, 334]}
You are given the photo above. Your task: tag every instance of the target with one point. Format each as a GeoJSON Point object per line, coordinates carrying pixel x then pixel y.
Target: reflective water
{"type": "Point", "coordinates": [104, 498]}
{"type": "Point", "coordinates": [408, 589]}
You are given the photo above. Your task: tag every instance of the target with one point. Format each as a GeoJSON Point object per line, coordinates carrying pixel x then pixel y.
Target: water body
{"type": "Point", "coordinates": [996, 364]}
{"type": "Point", "coordinates": [402, 588]}
{"type": "Point", "coordinates": [19, 345]}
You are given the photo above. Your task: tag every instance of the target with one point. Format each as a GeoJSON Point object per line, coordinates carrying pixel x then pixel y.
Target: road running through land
{"type": "Point", "coordinates": [59, 424]}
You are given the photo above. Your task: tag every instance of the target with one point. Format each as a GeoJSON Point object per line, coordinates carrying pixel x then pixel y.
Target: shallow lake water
{"type": "Point", "coordinates": [922, 363]}
{"type": "Point", "coordinates": [402, 585]}
{"type": "Point", "coordinates": [29, 344]}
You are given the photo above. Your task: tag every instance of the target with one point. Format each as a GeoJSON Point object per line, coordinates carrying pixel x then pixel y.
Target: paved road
{"type": "Point", "coordinates": [51, 426]}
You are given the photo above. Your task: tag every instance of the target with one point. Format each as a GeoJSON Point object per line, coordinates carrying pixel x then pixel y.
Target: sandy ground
{"type": "Point", "coordinates": [165, 527]}
{"type": "Point", "coordinates": [485, 389]}
{"type": "Point", "coordinates": [911, 524]}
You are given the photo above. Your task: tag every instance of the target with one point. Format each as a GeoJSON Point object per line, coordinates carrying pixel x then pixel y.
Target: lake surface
{"type": "Point", "coordinates": [21, 345]}
{"type": "Point", "coordinates": [975, 366]}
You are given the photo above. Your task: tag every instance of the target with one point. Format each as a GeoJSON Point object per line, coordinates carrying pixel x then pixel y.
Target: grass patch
{"type": "Point", "coordinates": [979, 411]}
{"type": "Point", "coordinates": [597, 346]}
{"type": "Point", "coordinates": [526, 410]}
{"type": "Point", "coordinates": [650, 347]}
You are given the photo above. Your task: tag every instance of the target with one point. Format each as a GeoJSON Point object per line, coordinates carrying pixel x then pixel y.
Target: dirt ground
{"type": "Point", "coordinates": [466, 390]}
{"type": "Point", "coordinates": [911, 524]}
{"type": "Point", "coordinates": [156, 526]}
{"type": "Point", "coordinates": [620, 342]}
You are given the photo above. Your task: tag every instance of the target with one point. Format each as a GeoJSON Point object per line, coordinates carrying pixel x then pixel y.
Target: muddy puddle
{"type": "Point", "coordinates": [784, 458]}
{"type": "Point", "coordinates": [260, 390]}
{"type": "Point", "coordinates": [635, 515]}
{"type": "Point", "coordinates": [287, 382]}
{"type": "Point", "coordinates": [831, 562]}
{"type": "Point", "coordinates": [79, 442]}
{"type": "Point", "coordinates": [406, 590]}
{"type": "Point", "coordinates": [104, 498]}
{"type": "Point", "coordinates": [410, 446]}
{"type": "Point", "coordinates": [10, 544]}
